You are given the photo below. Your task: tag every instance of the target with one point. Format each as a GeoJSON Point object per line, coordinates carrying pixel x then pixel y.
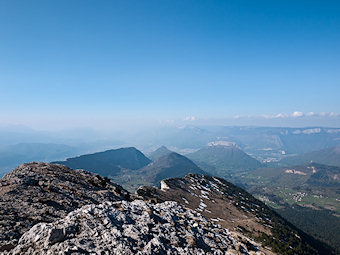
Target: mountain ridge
{"type": "Point", "coordinates": [110, 162]}
{"type": "Point", "coordinates": [222, 160]}
{"type": "Point", "coordinates": [166, 166]}
{"type": "Point", "coordinates": [161, 151]}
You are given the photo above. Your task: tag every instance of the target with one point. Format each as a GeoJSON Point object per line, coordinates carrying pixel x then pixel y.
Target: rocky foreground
{"type": "Point", "coordinates": [133, 228]}
{"type": "Point", "coordinates": [52, 209]}
{"type": "Point", "coordinates": [40, 192]}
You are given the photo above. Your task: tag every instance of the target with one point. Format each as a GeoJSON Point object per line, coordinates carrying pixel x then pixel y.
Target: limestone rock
{"type": "Point", "coordinates": [135, 227]}
{"type": "Point", "coordinates": [41, 192]}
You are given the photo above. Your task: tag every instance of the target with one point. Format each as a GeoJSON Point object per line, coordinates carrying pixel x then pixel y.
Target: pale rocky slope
{"type": "Point", "coordinates": [133, 228]}
{"type": "Point", "coordinates": [233, 208]}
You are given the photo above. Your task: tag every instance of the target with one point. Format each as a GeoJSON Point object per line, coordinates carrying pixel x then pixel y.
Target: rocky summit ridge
{"type": "Point", "coordinates": [52, 209]}
{"type": "Point", "coordinates": [133, 227]}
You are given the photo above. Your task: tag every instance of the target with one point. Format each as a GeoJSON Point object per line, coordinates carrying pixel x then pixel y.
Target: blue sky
{"type": "Point", "coordinates": [88, 62]}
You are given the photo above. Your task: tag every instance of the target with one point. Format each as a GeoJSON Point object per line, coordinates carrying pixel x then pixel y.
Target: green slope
{"type": "Point", "coordinates": [329, 156]}
{"type": "Point", "coordinates": [223, 160]}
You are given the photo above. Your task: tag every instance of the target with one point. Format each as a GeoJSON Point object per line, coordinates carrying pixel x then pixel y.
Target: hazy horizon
{"type": "Point", "coordinates": [328, 120]}
{"type": "Point", "coordinates": [129, 128]}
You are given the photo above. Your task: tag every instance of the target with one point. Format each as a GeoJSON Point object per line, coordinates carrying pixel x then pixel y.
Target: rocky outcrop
{"type": "Point", "coordinates": [133, 228]}
{"type": "Point", "coordinates": [233, 208]}
{"type": "Point", "coordinates": [215, 198]}
{"type": "Point", "coordinates": [41, 192]}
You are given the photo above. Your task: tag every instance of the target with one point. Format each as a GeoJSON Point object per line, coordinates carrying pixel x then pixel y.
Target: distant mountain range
{"type": "Point", "coordinates": [223, 160]}
{"type": "Point", "coordinates": [328, 156]}
{"type": "Point", "coordinates": [110, 162]}
{"type": "Point", "coordinates": [264, 143]}
{"type": "Point", "coordinates": [131, 168]}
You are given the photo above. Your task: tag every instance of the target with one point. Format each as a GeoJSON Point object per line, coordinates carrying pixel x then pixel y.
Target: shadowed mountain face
{"type": "Point", "coordinates": [235, 209]}
{"type": "Point", "coordinates": [222, 160]}
{"type": "Point", "coordinates": [329, 156]}
{"type": "Point", "coordinates": [160, 152]}
{"type": "Point", "coordinates": [109, 163]}
{"type": "Point", "coordinates": [169, 166]}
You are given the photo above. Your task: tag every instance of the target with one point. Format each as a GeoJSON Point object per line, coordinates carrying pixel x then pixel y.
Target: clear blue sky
{"type": "Point", "coordinates": [81, 61]}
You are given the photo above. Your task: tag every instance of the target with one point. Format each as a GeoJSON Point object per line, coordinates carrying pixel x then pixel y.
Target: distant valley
{"type": "Point", "coordinates": [328, 156]}
{"type": "Point", "coordinates": [266, 144]}
{"type": "Point", "coordinates": [307, 195]}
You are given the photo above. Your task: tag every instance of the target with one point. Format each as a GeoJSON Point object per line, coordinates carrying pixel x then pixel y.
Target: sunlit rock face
{"type": "Point", "coordinates": [135, 227]}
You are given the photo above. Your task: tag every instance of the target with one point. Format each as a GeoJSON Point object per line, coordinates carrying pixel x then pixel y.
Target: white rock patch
{"type": "Point", "coordinates": [130, 228]}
